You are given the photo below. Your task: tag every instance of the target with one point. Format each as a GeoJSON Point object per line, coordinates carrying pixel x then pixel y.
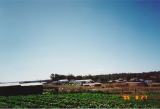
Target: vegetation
{"type": "Point", "coordinates": [155, 76]}
{"type": "Point", "coordinates": [75, 100]}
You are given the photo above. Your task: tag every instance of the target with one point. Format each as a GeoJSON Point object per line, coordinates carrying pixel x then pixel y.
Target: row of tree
{"type": "Point", "coordinates": [154, 75]}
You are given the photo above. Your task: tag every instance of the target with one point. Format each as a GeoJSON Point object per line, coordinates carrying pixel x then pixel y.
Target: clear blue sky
{"type": "Point", "coordinates": [40, 37]}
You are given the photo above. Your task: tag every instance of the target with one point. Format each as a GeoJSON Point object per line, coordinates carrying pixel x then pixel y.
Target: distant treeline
{"type": "Point", "coordinates": [154, 75]}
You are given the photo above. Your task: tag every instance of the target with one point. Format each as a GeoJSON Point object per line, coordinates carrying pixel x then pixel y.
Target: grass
{"type": "Point", "coordinates": [75, 100]}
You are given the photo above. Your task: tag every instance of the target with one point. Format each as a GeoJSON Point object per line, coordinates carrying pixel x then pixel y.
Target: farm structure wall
{"type": "Point", "coordinates": [20, 90]}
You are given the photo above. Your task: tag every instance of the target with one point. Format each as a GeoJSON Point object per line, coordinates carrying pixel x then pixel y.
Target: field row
{"type": "Point", "coordinates": [115, 90]}
{"type": "Point", "coordinates": [75, 100]}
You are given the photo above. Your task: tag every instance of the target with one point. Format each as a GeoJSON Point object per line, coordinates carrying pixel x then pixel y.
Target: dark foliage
{"type": "Point", "coordinates": [154, 75]}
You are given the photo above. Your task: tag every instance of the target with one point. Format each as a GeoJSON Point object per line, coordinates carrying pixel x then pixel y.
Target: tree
{"type": "Point", "coordinates": [70, 77]}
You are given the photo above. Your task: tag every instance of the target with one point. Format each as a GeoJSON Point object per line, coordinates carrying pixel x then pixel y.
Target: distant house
{"type": "Point", "coordinates": [63, 81]}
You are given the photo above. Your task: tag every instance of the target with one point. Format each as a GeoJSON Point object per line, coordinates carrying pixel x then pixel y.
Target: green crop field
{"type": "Point", "coordinates": [75, 100]}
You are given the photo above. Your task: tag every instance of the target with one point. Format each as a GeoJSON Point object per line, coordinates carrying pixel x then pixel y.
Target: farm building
{"type": "Point", "coordinates": [54, 82]}
{"type": "Point", "coordinates": [31, 84]}
{"type": "Point", "coordinates": [9, 84]}
{"type": "Point", "coordinates": [81, 82]}
{"type": "Point", "coordinates": [110, 81]}
{"type": "Point", "coordinates": [148, 81]}
{"type": "Point", "coordinates": [8, 89]}
{"type": "Point", "coordinates": [120, 80]}
{"type": "Point", "coordinates": [134, 80]}
{"type": "Point", "coordinates": [92, 84]}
